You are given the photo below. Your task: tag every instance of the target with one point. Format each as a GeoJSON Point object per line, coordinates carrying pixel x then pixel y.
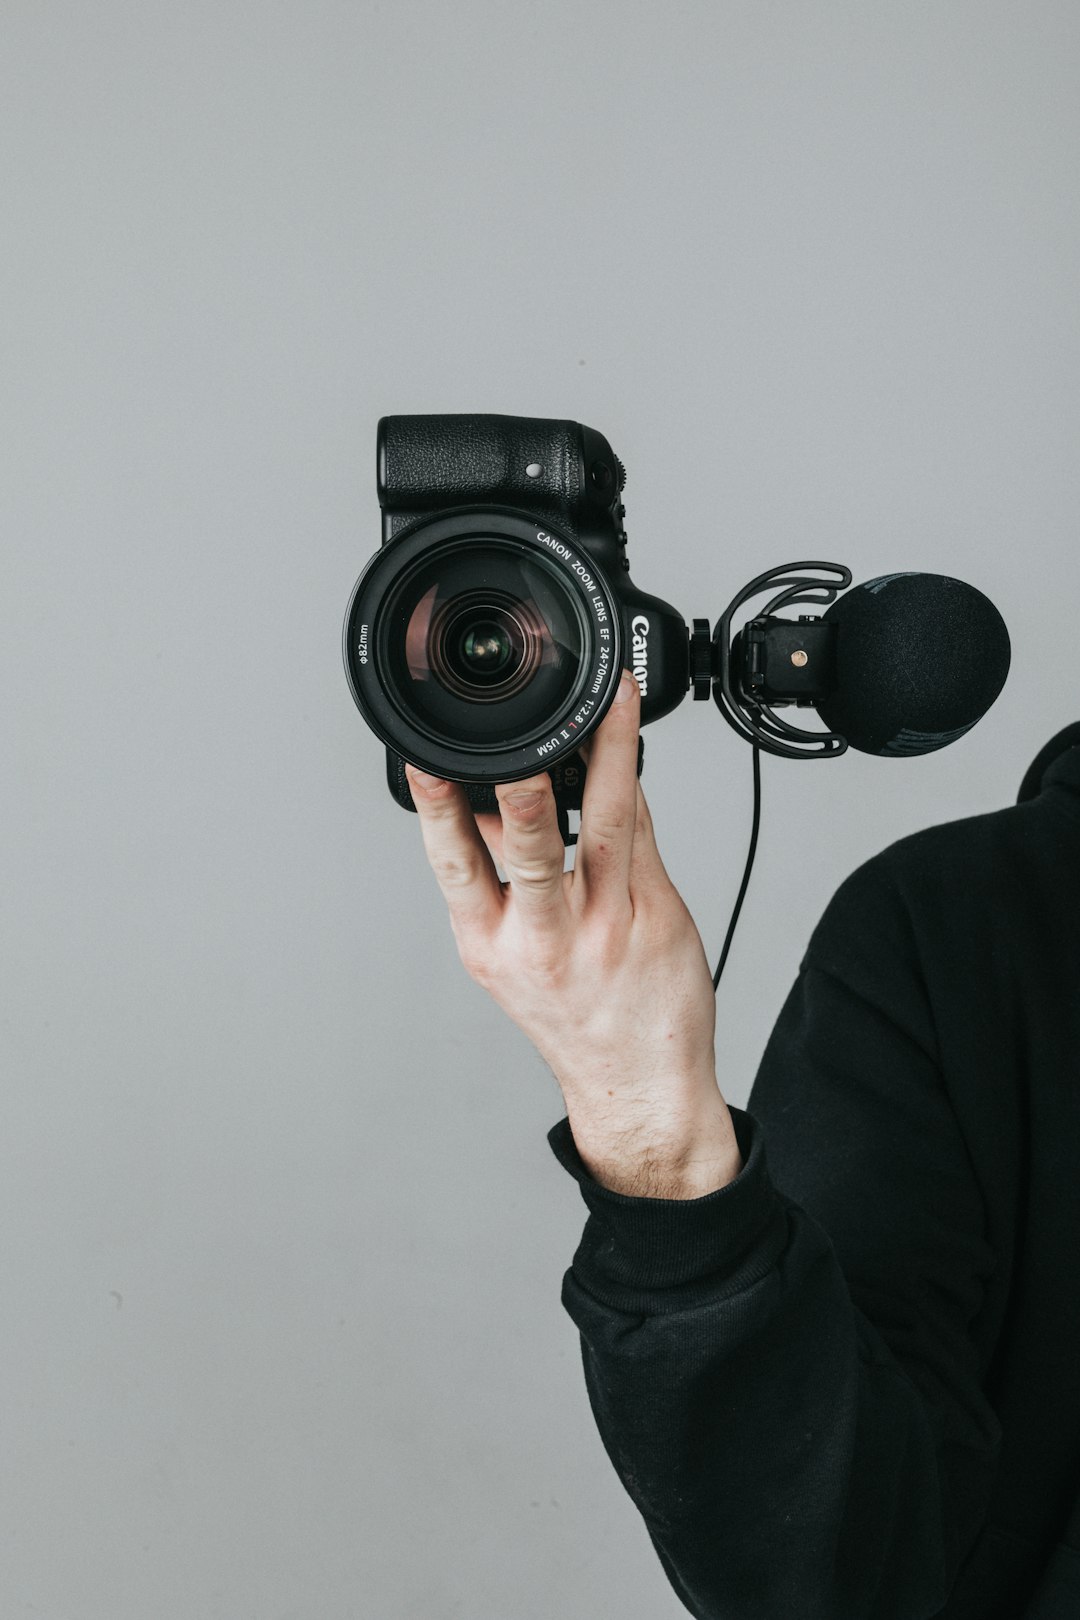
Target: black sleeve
{"type": "Point", "coordinates": [781, 1371]}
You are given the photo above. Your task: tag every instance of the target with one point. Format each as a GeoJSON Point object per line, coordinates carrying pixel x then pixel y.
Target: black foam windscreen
{"type": "Point", "coordinates": [919, 660]}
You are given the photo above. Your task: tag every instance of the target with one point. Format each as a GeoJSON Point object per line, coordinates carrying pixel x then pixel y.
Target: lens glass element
{"type": "Point", "coordinates": [484, 643]}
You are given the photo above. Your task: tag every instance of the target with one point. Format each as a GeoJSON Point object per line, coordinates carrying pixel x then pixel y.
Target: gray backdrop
{"type": "Point", "coordinates": [281, 1237]}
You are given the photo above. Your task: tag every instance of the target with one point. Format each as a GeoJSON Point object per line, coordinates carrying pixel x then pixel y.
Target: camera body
{"type": "Point", "coordinates": [484, 641]}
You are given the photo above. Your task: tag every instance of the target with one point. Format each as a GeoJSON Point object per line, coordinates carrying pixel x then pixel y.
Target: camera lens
{"type": "Point", "coordinates": [482, 643]}
{"type": "Point", "coordinates": [486, 648]}
{"type": "Point", "coordinates": [480, 648]}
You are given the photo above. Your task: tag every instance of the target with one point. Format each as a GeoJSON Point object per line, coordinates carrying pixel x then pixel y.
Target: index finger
{"type": "Point", "coordinates": [457, 854]}
{"type": "Point", "coordinates": [609, 804]}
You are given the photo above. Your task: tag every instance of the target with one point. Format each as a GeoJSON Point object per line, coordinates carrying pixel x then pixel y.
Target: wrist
{"type": "Point", "coordinates": [679, 1154]}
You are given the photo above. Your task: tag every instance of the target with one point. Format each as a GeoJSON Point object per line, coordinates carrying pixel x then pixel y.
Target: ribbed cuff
{"type": "Point", "coordinates": [729, 1237]}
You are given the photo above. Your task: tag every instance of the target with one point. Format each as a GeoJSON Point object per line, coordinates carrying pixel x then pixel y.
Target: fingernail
{"type": "Point", "coordinates": [524, 800]}
{"type": "Point", "coordinates": [422, 779]}
{"type": "Point", "coordinates": [626, 687]}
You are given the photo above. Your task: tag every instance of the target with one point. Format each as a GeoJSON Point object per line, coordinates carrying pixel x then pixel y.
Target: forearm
{"type": "Point", "coordinates": [783, 1459]}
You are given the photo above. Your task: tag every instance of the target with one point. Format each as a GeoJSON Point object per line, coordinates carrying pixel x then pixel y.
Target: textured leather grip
{"type": "Point", "coordinates": [426, 463]}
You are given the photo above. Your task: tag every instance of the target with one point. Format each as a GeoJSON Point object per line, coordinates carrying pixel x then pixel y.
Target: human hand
{"type": "Point", "coordinates": [602, 966]}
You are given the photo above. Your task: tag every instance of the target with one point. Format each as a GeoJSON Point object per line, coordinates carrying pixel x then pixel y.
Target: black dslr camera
{"type": "Point", "coordinates": [485, 639]}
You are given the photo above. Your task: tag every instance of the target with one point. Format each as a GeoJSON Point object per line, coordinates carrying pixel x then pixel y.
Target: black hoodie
{"type": "Point", "coordinates": [846, 1386]}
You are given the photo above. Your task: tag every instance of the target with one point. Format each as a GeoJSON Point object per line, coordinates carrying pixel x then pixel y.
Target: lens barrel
{"type": "Point", "coordinates": [482, 645]}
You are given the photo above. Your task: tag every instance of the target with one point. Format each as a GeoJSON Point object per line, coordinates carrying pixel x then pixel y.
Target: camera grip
{"type": "Point", "coordinates": [430, 462]}
{"type": "Point", "coordinates": [567, 781]}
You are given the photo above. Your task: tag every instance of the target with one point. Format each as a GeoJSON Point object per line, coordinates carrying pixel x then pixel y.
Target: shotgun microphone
{"type": "Point", "coordinates": [900, 665]}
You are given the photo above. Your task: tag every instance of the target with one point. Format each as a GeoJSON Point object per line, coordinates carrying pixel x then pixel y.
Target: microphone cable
{"type": "Point", "coordinates": [749, 864]}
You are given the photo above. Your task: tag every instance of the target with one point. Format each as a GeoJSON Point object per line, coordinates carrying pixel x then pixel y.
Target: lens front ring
{"type": "Point", "coordinates": [581, 683]}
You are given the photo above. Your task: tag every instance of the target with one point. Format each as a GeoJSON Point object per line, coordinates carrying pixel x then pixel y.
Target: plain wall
{"type": "Point", "coordinates": [281, 1237]}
